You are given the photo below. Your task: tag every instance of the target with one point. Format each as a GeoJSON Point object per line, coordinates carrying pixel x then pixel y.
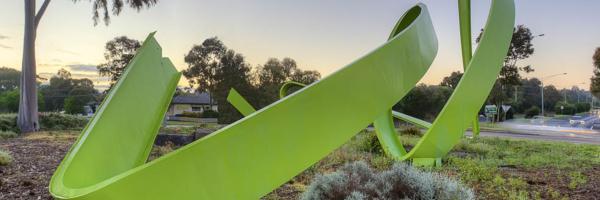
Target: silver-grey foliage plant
{"type": "Point", "coordinates": [357, 181]}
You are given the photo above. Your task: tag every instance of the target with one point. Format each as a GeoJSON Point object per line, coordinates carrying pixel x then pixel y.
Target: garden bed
{"type": "Point", "coordinates": [495, 168]}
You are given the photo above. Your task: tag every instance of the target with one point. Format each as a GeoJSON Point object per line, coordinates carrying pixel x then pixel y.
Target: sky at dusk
{"type": "Point", "coordinates": [319, 35]}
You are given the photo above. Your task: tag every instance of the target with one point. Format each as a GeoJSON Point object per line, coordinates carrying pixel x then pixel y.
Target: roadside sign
{"type": "Point", "coordinates": [505, 108]}
{"type": "Point", "coordinates": [490, 110]}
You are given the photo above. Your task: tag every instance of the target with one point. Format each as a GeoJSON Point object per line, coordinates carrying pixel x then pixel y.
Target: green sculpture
{"type": "Point", "coordinates": [469, 95]}
{"type": "Point", "coordinates": [253, 156]}
{"type": "Point", "coordinates": [439, 140]}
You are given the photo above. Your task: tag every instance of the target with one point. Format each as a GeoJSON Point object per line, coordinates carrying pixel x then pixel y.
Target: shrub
{"type": "Point", "coordinates": [576, 179]}
{"type": "Point", "coordinates": [370, 143]}
{"type": "Point", "coordinates": [210, 114]}
{"type": "Point", "coordinates": [191, 114]}
{"type": "Point", "coordinates": [74, 105]}
{"type": "Point", "coordinates": [568, 109]}
{"type": "Point", "coordinates": [411, 130]}
{"type": "Point", "coordinates": [57, 121]}
{"type": "Point", "coordinates": [9, 101]}
{"type": "Point", "coordinates": [7, 134]}
{"type": "Point", "coordinates": [582, 107]}
{"type": "Point", "coordinates": [5, 158]}
{"type": "Point", "coordinates": [8, 122]}
{"type": "Point", "coordinates": [358, 181]}
{"type": "Point", "coordinates": [48, 121]}
{"type": "Point", "coordinates": [533, 111]}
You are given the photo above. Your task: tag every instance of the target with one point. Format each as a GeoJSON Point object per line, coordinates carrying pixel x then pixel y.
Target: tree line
{"type": "Point", "coordinates": [426, 101]}
{"type": "Point", "coordinates": [510, 88]}
{"type": "Point", "coordinates": [214, 68]}
{"type": "Point", "coordinates": [62, 93]}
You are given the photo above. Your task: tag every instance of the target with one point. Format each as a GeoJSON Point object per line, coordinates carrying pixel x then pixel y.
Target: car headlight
{"type": "Point", "coordinates": [571, 122]}
{"type": "Point", "coordinates": [582, 122]}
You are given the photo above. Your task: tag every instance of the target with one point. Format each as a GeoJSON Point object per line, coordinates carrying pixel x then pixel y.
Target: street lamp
{"type": "Point", "coordinates": [542, 81]}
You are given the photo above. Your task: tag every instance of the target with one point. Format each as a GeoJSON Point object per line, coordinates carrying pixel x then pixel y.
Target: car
{"type": "Point", "coordinates": [595, 125]}
{"type": "Point", "coordinates": [537, 119]}
{"type": "Point", "coordinates": [576, 121]}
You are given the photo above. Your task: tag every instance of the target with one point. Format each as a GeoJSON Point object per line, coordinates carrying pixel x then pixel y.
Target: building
{"type": "Point", "coordinates": [197, 102]}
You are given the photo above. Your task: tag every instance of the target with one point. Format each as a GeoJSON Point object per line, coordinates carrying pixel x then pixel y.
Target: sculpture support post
{"type": "Point", "coordinates": [464, 14]}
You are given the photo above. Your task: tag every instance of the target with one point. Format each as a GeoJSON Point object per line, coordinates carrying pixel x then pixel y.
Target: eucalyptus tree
{"type": "Point", "coordinates": [215, 69]}
{"type": "Point", "coordinates": [118, 52]}
{"type": "Point", "coordinates": [9, 79]}
{"type": "Point", "coordinates": [28, 108]}
{"type": "Point", "coordinates": [595, 85]}
{"type": "Point", "coordinates": [521, 47]}
{"type": "Point", "coordinates": [452, 80]}
{"type": "Point", "coordinates": [271, 76]}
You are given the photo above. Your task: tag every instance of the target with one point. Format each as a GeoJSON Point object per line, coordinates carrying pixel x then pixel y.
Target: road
{"type": "Point", "coordinates": [577, 138]}
{"type": "Point", "coordinates": [553, 129]}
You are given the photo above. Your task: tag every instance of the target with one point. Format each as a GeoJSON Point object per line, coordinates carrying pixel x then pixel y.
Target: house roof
{"type": "Point", "coordinates": [197, 98]}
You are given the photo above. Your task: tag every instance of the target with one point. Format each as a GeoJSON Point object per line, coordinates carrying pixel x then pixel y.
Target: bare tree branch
{"type": "Point", "coordinates": [40, 12]}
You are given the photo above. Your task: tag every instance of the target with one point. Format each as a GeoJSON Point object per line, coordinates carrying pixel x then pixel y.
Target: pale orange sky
{"type": "Point", "coordinates": [319, 35]}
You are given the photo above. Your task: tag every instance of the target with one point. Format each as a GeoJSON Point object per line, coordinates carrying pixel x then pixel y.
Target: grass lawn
{"type": "Point", "coordinates": [491, 126]}
{"type": "Point", "coordinates": [186, 128]}
{"type": "Point", "coordinates": [183, 123]}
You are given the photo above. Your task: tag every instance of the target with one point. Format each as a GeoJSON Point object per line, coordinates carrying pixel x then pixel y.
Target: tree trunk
{"type": "Point", "coordinates": [28, 107]}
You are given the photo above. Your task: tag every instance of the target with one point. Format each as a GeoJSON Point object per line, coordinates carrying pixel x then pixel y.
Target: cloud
{"type": "Point", "coordinates": [2, 37]}
{"type": "Point", "coordinates": [67, 52]}
{"type": "Point", "coordinates": [5, 47]}
{"type": "Point", "coordinates": [82, 68]}
{"type": "Point", "coordinates": [93, 77]}
{"type": "Point", "coordinates": [100, 83]}
{"type": "Point", "coordinates": [101, 87]}
{"type": "Point", "coordinates": [46, 74]}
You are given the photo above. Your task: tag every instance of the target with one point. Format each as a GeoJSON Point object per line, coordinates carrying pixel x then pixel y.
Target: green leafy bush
{"type": "Point", "coordinates": [9, 101]}
{"type": "Point", "coordinates": [8, 122]}
{"type": "Point", "coordinates": [370, 143]}
{"type": "Point", "coordinates": [74, 105]}
{"type": "Point", "coordinates": [5, 158]}
{"type": "Point", "coordinates": [210, 114]}
{"type": "Point", "coordinates": [411, 130]}
{"type": "Point", "coordinates": [358, 181]}
{"type": "Point", "coordinates": [48, 121]}
{"type": "Point", "coordinates": [567, 108]}
{"type": "Point", "coordinates": [7, 134]}
{"type": "Point", "coordinates": [582, 107]}
{"type": "Point", "coordinates": [57, 121]}
{"type": "Point", "coordinates": [533, 111]}
{"type": "Point", "coordinates": [576, 179]}
{"type": "Point", "coordinates": [191, 114]}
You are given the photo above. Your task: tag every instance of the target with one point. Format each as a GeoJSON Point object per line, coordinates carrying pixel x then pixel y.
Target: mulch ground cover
{"type": "Point", "coordinates": [34, 161]}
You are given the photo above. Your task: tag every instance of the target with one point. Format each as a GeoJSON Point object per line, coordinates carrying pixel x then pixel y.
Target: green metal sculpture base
{"type": "Point", "coordinates": [427, 162]}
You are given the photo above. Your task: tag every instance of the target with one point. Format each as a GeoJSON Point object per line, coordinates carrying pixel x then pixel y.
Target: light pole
{"type": "Point", "coordinates": [542, 81]}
